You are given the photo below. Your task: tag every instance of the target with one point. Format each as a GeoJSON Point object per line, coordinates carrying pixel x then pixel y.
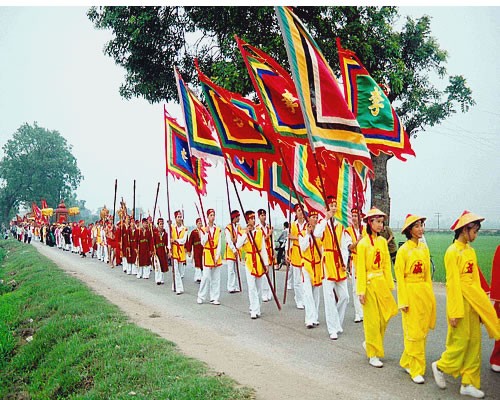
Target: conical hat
{"type": "Point", "coordinates": [410, 219]}
{"type": "Point", "coordinates": [466, 218]}
{"type": "Point", "coordinates": [374, 212]}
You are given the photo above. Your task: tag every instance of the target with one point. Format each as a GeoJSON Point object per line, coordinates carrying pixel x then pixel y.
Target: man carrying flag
{"type": "Point", "coordinates": [232, 255]}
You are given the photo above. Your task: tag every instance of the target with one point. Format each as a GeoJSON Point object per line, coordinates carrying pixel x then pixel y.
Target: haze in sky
{"type": "Point", "coordinates": [53, 71]}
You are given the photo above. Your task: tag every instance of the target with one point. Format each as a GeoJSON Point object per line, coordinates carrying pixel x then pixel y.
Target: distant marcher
{"type": "Point", "coordinates": [415, 296]}
{"type": "Point", "coordinates": [467, 305]}
{"type": "Point", "coordinates": [162, 251]}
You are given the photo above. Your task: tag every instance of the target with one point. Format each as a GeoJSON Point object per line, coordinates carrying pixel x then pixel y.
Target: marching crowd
{"type": "Point", "coordinates": [321, 254]}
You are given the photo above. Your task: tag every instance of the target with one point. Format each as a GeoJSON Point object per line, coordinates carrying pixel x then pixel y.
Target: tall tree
{"type": "Point", "coordinates": [37, 164]}
{"type": "Point", "coordinates": [149, 40]}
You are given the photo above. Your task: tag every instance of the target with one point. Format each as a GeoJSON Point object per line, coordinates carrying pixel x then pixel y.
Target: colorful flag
{"type": "Point", "coordinates": [44, 204]}
{"type": "Point", "coordinates": [249, 173]}
{"type": "Point", "coordinates": [378, 120]}
{"type": "Point", "coordinates": [329, 122]}
{"type": "Point", "coordinates": [280, 189]}
{"type": "Point", "coordinates": [180, 163]}
{"type": "Point", "coordinates": [277, 92]}
{"type": "Point", "coordinates": [199, 124]}
{"type": "Point", "coordinates": [239, 122]}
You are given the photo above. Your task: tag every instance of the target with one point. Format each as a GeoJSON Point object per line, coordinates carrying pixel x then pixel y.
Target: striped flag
{"type": "Point", "coordinates": [377, 118]}
{"type": "Point", "coordinates": [329, 122]}
{"type": "Point", "coordinates": [199, 124]}
{"type": "Point", "coordinates": [180, 163]}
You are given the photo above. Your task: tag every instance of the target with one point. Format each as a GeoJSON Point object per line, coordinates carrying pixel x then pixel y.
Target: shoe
{"type": "Point", "coordinates": [253, 316]}
{"type": "Point", "coordinates": [358, 319]}
{"type": "Point", "coordinates": [158, 283]}
{"type": "Point", "coordinates": [334, 336]}
{"type": "Point", "coordinates": [216, 303]}
{"type": "Point", "coordinates": [199, 301]}
{"type": "Point", "coordinates": [178, 293]}
{"type": "Point", "coordinates": [495, 368]}
{"type": "Point", "coordinates": [301, 307]}
{"type": "Point", "coordinates": [232, 291]}
{"type": "Point", "coordinates": [418, 379]}
{"type": "Point", "coordinates": [309, 326]}
{"type": "Point", "coordinates": [375, 362]}
{"type": "Point", "coordinates": [469, 390]}
{"type": "Point", "coordinates": [438, 376]}
{"type": "Point", "coordinates": [265, 300]}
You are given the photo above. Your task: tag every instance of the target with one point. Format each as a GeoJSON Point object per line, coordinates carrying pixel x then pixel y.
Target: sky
{"type": "Point", "coordinates": [53, 71]}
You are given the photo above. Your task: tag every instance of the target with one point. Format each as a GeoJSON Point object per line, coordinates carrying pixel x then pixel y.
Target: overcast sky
{"type": "Point", "coordinates": [53, 71]}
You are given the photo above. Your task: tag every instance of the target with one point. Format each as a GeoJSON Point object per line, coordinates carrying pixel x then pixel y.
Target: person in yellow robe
{"type": "Point", "coordinates": [467, 305]}
{"type": "Point", "coordinates": [295, 255]}
{"type": "Point", "coordinates": [312, 270]}
{"type": "Point", "coordinates": [374, 285]}
{"type": "Point", "coordinates": [252, 242]}
{"type": "Point", "coordinates": [415, 296]}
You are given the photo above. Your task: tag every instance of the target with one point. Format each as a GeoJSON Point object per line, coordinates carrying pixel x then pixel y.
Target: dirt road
{"type": "Point", "coordinates": [275, 354]}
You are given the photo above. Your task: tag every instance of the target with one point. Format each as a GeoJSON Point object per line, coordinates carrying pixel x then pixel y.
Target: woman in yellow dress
{"type": "Point", "coordinates": [467, 305]}
{"type": "Point", "coordinates": [374, 285]}
{"type": "Point", "coordinates": [415, 296]}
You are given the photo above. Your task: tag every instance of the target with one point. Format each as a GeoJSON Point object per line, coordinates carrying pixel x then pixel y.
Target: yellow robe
{"type": "Point", "coordinates": [210, 249]}
{"type": "Point", "coordinates": [331, 254]}
{"type": "Point", "coordinates": [466, 301]}
{"type": "Point", "coordinates": [413, 275]}
{"type": "Point", "coordinates": [253, 260]}
{"type": "Point", "coordinates": [295, 253]}
{"type": "Point", "coordinates": [374, 280]}
{"type": "Point", "coordinates": [311, 259]}
{"type": "Point", "coordinates": [178, 250]}
{"type": "Point", "coordinates": [235, 232]}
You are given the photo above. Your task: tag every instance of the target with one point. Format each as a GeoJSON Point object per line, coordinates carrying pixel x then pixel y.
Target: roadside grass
{"type": "Point", "coordinates": [60, 340]}
{"type": "Point", "coordinates": [485, 246]}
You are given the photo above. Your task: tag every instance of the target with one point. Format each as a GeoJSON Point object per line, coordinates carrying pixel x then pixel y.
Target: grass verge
{"type": "Point", "coordinates": [59, 340]}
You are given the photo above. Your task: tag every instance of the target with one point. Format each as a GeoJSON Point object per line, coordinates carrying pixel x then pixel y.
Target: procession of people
{"type": "Point", "coordinates": [322, 256]}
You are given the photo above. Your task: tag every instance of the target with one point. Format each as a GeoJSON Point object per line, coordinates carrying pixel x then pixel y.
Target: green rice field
{"type": "Point", "coordinates": [485, 246]}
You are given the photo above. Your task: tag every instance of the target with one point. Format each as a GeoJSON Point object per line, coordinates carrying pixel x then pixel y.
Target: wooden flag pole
{"type": "Point", "coordinates": [272, 240]}
{"type": "Point", "coordinates": [234, 234]}
{"type": "Point", "coordinates": [114, 201]}
{"type": "Point", "coordinates": [133, 204]}
{"type": "Point", "coordinates": [288, 246]}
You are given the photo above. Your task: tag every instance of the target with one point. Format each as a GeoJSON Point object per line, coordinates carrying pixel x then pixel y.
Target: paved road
{"type": "Point", "coordinates": [275, 354]}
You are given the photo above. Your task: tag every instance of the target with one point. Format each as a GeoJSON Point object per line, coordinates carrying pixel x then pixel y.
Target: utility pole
{"type": "Point", "coordinates": [438, 214]}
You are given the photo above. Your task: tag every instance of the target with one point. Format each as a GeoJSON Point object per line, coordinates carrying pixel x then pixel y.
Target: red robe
{"type": "Point", "coordinates": [193, 245]}
{"type": "Point", "coordinates": [85, 239]}
{"type": "Point", "coordinates": [145, 247]}
{"type": "Point", "coordinates": [495, 296]}
{"type": "Point", "coordinates": [75, 235]}
{"type": "Point", "coordinates": [161, 248]}
{"type": "Point", "coordinates": [130, 244]}
{"type": "Point", "coordinates": [118, 244]}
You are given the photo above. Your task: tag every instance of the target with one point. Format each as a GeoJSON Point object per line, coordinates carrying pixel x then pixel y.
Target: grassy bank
{"type": "Point", "coordinates": [59, 340]}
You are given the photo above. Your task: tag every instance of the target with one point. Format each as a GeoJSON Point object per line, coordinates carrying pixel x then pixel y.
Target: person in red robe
{"type": "Point", "coordinates": [75, 238]}
{"type": "Point", "coordinates": [145, 250]}
{"type": "Point", "coordinates": [130, 246]}
{"type": "Point", "coordinates": [85, 239]}
{"type": "Point", "coordinates": [119, 231]}
{"type": "Point", "coordinates": [161, 245]}
{"type": "Point", "coordinates": [194, 249]}
{"type": "Point", "coordinates": [495, 296]}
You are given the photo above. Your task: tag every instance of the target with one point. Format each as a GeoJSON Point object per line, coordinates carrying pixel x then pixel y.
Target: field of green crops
{"type": "Point", "coordinates": [485, 246]}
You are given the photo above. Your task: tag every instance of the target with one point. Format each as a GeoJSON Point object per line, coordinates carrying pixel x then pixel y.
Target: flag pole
{"type": "Point", "coordinates": [114, 201]}
{"type": "Point", "coordinates": [252, 239]}
{"type": "Point", "coordinates": [133, 204]}
{"type": "Point", "coordinates": [233, 233]}
{"type": "Point", "coordinates": [288, 246]}
{"type": "Point", "coordinates": [272, 240]}
{"type": "Point", "coordinates": [167, 155]}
